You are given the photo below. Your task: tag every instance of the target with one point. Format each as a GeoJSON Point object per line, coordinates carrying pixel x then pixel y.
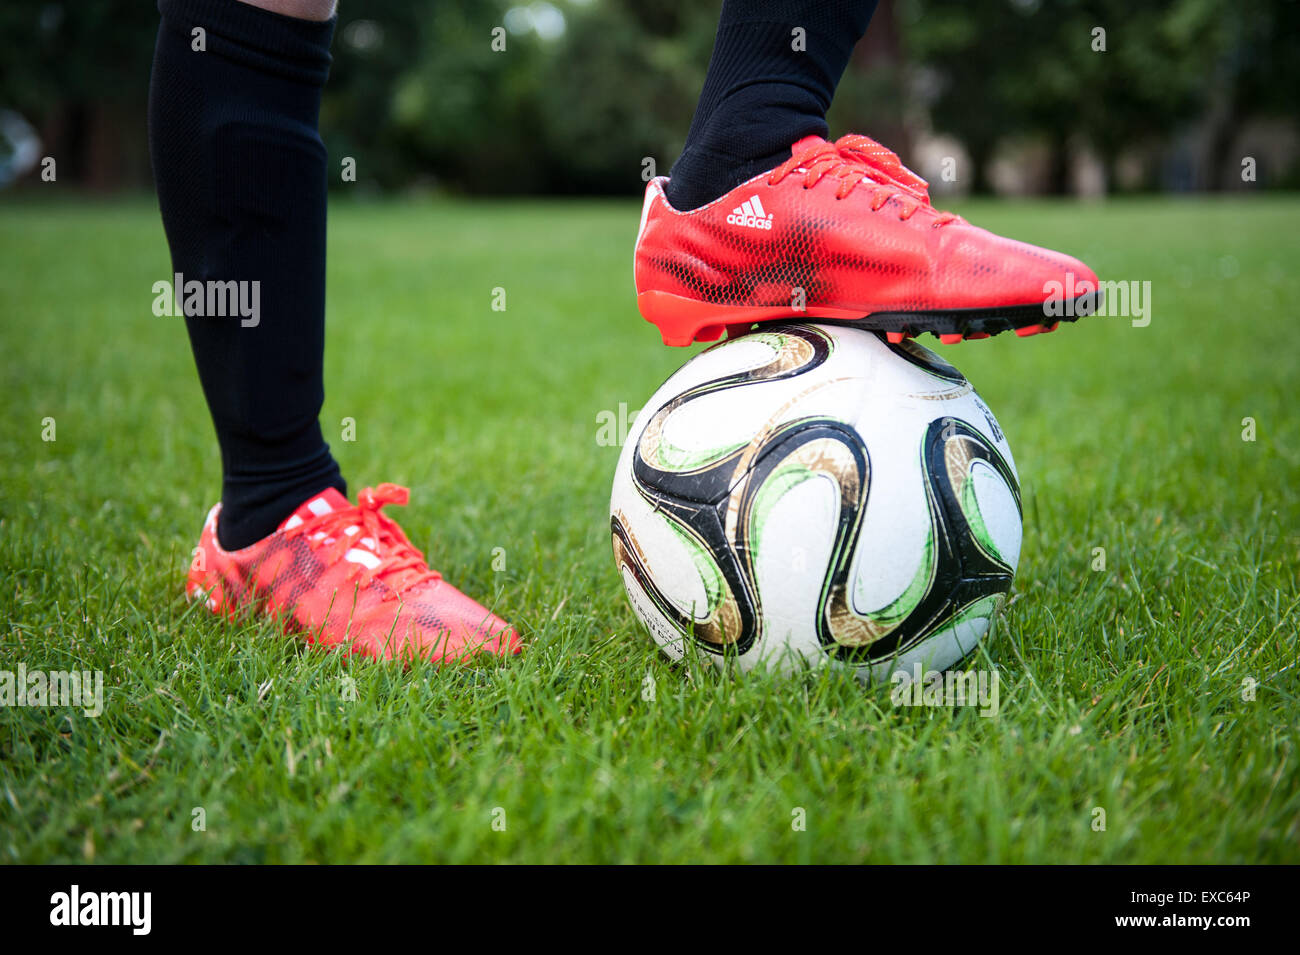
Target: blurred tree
{"type": "Point", "coordinates": [569, 108]}
{"type": "Point", "coordinates": [621, 90]}
{"type": "Point", "coordinates": [376, 43]}
{"type": "Point", "coordinates": [468, 112]}
{"type": "Point", "coordinates": [585, 90]}
{"type": "Point", "coordinates": [1255, 72]}
{"type": "Point", "coordinates": [970, 77]}
{"type": "Point", "coordinates": [79, 72]}
{"type": "Point", "coordinates": [1012, 67]}
{"type": "Point", "coordinates": [873, 96]}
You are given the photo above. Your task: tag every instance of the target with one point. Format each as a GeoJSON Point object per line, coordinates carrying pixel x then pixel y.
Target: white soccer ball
{"type": "Point", "coordinates": [808, 495]}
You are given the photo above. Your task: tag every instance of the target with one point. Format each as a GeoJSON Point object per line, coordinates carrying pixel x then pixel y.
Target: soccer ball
{"type": "Point", "coordinates": [807, 495]}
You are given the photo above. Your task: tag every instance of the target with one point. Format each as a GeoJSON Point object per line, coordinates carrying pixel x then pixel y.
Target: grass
{"type": "Point", "coordinates": [1122, 689]}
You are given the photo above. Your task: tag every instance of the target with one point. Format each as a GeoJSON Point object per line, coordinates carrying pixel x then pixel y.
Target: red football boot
{"type": "Point", "coordinates": [345, 575]}
{"type": "Point", "coordinates": [844, 232]}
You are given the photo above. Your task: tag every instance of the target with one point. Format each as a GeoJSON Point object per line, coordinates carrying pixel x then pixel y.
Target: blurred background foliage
{"type": "Point", "coordinates": [587, 90]}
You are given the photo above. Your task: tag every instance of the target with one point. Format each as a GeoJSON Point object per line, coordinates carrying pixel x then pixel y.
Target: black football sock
{"type": "Point", "coordinates": [240, 171]}
{"type": "Point", "coordinates": [762, 92]}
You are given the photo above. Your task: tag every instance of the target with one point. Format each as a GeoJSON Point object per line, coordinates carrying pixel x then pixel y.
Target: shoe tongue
{"type": "Point", "coordinates": [808, 142]}
{"type": "Point", "coordinates": [322, 503]}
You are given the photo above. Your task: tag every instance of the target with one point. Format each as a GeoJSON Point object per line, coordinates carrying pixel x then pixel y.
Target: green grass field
{"type": "Point", "coordinates": [1124, 689]}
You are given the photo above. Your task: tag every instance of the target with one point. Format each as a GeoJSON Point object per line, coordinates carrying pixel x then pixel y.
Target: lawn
{"type": "Point", "coordinates": [1161, 689]}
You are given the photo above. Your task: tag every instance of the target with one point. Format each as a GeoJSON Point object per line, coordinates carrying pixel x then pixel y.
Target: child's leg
{"type": "Point", "coordinates": [773, 72]}
{"type": "Point", "coordinates": [240, 172]}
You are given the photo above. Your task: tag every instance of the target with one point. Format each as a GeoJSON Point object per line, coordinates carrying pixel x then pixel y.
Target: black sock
{"type": "Point", "coordinates": [240, 172]}
{"type": "Point", "coordinates": [761, 94]}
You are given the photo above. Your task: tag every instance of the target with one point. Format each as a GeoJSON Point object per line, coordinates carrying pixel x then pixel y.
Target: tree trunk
{"type": "Point", "coordinates": [1058, 165]}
